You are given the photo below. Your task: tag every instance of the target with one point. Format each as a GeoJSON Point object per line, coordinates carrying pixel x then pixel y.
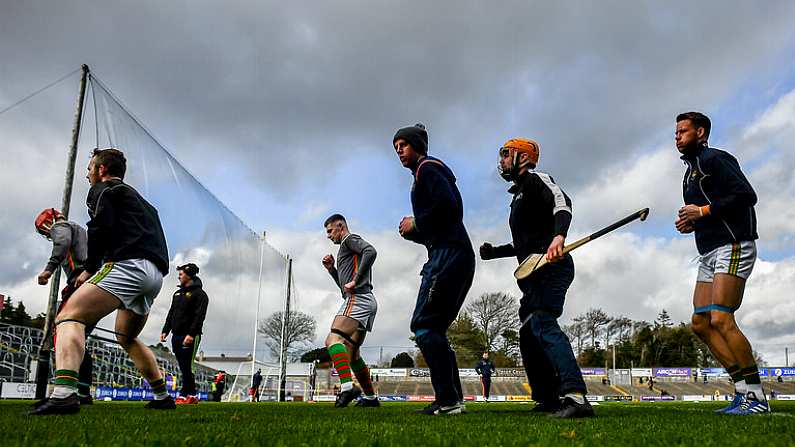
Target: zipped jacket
{"type": "Point", "coordinates": [713, 177]}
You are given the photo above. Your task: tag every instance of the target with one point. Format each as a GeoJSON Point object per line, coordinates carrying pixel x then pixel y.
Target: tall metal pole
{"type": "Point", "coordinates": [285, 325]}
{"type": "Point", "coordinates": [43, 364]}
{"type": "Point", "coordinates": [786, 356]}
{"type": "Point", "coordinates": [256, 314]}
{"type": "Point", "coordinates": [614, 357]}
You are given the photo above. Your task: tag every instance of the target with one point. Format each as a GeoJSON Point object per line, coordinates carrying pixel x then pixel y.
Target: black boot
{"type": "Point", "coordinates": [571, 409]}
{"type": "Point", "coordinates": [54, 405]}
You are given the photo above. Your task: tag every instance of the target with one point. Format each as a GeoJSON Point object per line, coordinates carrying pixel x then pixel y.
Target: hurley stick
{"type": "Point", "coordinates": [537, 260]}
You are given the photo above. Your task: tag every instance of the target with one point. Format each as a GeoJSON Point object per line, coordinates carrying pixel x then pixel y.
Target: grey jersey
{"type": "Point", "coordinates": [69, 248]}
{"type": "Point", "coordinates": [354, 263]}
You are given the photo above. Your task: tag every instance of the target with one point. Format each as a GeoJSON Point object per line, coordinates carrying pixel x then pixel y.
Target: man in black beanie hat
{"type": "Point", "coordinates": [185, 319]}
{"type": "Point", "coordinates": [447, 276]}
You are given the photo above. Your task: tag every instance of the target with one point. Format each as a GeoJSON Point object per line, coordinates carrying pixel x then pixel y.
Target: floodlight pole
{"type": "Point", "coordinates": [43, 364]}
{"type": "Point", "coordinates": [285, 325]}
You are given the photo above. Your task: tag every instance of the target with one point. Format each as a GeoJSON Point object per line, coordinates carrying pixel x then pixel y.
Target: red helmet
{"type": "Point", "coordinates": [46, 219]}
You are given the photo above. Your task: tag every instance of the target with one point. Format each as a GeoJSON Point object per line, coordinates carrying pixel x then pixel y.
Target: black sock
{"type": "Point", "coordinates": [751, 375]}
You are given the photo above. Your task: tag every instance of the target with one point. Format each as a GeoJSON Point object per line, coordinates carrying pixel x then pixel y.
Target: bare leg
{"type": "Point", "coordinates": [727, 290]}
{"type": "Point", "coordinates": [701, 324]}
{"type": "Point", "coordinates": [129, 325]}
{"type": "Point", "coordinates": [87, 306]}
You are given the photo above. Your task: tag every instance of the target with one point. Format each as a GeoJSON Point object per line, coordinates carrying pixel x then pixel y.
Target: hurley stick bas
{"type": "Point", "coordinates": [537, 260]}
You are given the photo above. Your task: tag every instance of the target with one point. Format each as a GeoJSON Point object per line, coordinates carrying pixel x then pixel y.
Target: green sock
{"type": "Point", "coordinates": [159, 388]}
{"type": "Point", "coordinates": [363, 376]}
{"type": "Point", "coordinates": [65, 383]}
{"type": "Point", "coordinates": [341, 361]}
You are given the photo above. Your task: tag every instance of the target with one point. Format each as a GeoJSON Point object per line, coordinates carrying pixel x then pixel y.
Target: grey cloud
{"type": "Point", "coordinates": [277, 85]}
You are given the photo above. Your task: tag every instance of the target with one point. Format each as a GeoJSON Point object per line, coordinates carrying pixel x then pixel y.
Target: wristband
{"type": "Point", "coordinates": [704, 210]}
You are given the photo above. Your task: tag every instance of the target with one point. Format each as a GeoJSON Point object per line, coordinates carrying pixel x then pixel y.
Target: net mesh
{"type": "Point", "coordinates": [199, 228]}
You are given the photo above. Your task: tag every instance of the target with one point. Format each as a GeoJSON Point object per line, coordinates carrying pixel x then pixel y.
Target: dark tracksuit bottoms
{"type": "Point", "coordinates": [446, 279]}
{"type": "Point", "coordinates": [547, 355]}
{"type": "Point", "coordinates": [186, 356]}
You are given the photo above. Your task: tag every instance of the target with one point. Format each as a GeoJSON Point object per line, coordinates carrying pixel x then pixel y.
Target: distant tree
{"type": "Point", "coordinates": [493, 313]}
{"type": "Point", "coordinates": [576, 331]}
{"type": "Point", "coordinates": [20, 316]}
{"type": "Point", "coordinates": [592, 357]}
{"type": "Point", "coordinates": [38, 321]}
{"type": "Point", "coordinates": [509, 346]}
{"type": "Point", "coordinates": [300, 330]}
{"type": "Point", "coordinates": [466, 339]}
{"type": "Point", "coordinates": [402, 360]}
{"type": "Point", "coordinates": [7, 310]}
{"type": "Point", "coordinates": [663, 319]}
{"type": "Point", "coordinates": [594, 319]}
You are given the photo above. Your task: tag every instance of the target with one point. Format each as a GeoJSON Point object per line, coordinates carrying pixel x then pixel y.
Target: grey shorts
{"type": "Point", "coordinates": [361, 307]}
{"type": "Point", "coordinates": [135, 282]}
{"type": "Point", "coordinates": [734, 259]}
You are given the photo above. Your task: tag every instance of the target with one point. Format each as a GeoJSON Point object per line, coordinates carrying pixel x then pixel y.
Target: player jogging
{"type": "Point", "coordinates": [540, 218]}
{"type": "Point", "coordinates": [127, 259]}
{"type": "Point", "coordinates": [438, 224]}
{"type": "Point", "coordinates": [719, 209]}
{"type": "Point", "coordinates": [353, 276]}
{"type": "Point", "coordinates": [69, 251]}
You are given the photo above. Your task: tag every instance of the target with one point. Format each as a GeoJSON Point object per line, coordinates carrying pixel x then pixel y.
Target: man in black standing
{"type": "Point", "coordinates": [185, 320]}
{"type": "Point", "coordinates": [256, 381]}
{"type": "Point", "coordinates": [485, 368]}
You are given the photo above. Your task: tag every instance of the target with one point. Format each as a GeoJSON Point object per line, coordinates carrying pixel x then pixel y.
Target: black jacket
{"type": "Point", "coordinates": [438, 207]}
{"type": "Point", "coordinates": [123, 226]}
{"type": "Point", "coordinates": [713, 177]}
{"type": "Point", "coordinates": [540, 210]}
{"type": "Point", "coordinates": [485, 368]}
{"type": "Point", "coordinates": [188, 309]}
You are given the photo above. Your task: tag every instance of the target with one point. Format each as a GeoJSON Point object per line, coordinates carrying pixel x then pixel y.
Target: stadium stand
{"type": "Point", "coordinates": [19, 349]}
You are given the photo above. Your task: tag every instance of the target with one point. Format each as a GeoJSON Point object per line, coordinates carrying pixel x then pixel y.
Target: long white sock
{"type": "Point", "coordinates": [740, 387]}
{"type": "Point", "coordinates": [346, 386]}
{"type": "Point", "coordinates": [757, 391]}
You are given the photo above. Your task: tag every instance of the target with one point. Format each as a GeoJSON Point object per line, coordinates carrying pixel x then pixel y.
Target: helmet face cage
{"type": "Point", "coordinates": [515, 148]}
{"type": "Point", "coordinates": [45, 221]}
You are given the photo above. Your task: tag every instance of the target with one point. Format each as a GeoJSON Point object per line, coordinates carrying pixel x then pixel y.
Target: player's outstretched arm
{"type": "Point", "coordinates": [488, 251]}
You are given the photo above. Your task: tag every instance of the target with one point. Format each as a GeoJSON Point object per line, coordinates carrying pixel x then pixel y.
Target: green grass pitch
{"type": "Point", "coordinates": [394, 424]}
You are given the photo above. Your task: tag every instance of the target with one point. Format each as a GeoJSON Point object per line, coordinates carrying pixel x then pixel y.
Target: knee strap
{"type": "Point", "coordinates": [346, 337]}
{"type": "Point", "coordinates": [715, 307]}
{"type": "Point", "coordinates": [70, 320]}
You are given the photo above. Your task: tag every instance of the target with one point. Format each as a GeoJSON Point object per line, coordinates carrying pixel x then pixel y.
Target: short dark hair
{"type": "Point", "coordinates": [698, 119]}
{"type": "Point", "coordinates": [113, 160]}
{"type": "Point", "coordinates": [335, 218]}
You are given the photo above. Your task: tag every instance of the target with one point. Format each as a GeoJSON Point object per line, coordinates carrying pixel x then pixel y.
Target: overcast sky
{"type": "Point", "coordinates": [286, 113]}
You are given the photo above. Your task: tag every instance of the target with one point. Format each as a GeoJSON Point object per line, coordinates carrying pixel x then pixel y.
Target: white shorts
{"type": "Point", "coordinates": [135, 282]}
{"type": "Point", "coordinates": [362, 308]}
{"type": "Point", "coordinates": [736, 259]}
